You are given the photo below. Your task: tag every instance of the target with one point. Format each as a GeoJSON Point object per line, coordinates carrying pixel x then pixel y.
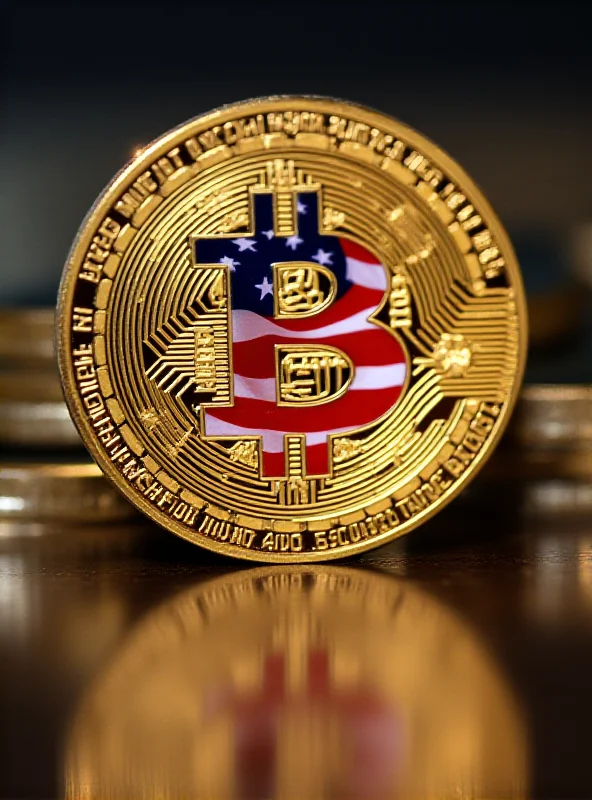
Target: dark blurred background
{"type": "Point", "coordinates": [504, 88]}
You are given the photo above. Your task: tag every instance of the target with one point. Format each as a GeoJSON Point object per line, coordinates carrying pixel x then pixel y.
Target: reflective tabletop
{"type": "Point", "coordinates": [455, 662]}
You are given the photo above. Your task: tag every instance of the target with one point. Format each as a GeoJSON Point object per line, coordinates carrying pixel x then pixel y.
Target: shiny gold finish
{"type": "Point", "coordinates": [300, 292]}
{"type": "Point", "coordinates": [26, 337]}
{"type": "Point", "coordinates": [33, 412]}
{"type": "Point", "coordinates": [59, 492]}
{"type": "Point", "coordinates": [299, 683]}
{"type": "Point", "coordinates": [307, 377]}
{"type": "Point", "coordinates": [141, 323]}
{"type": "Point", "coordinates": [199, 355]}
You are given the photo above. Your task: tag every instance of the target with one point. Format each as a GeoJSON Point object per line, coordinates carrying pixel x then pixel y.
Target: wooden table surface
{"type": "Point", "coordinates": [514, 590]}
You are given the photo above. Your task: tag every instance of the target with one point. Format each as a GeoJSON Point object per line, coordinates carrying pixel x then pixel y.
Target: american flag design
{"type": "Point", "coordinates": [380, 365]}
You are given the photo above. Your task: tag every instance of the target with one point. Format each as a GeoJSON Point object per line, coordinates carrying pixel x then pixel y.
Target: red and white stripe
{"type": "Point", "coordinates": [379, 363]}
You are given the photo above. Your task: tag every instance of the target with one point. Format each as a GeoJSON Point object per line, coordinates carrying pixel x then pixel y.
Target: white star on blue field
{"type": "Point", "coordinates": [249, 258]}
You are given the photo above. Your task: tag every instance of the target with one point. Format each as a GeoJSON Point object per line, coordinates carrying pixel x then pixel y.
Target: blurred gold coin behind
{"type": "Point", "coordinates": [291, 329]}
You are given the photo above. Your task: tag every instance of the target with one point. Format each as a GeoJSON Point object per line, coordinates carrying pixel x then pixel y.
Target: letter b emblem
{"type": "Point", "coordinates": [307, 360]}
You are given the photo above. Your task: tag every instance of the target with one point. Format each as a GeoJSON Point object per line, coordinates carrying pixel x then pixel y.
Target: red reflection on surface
{"type": "Point", "coordinates": [369, 748]}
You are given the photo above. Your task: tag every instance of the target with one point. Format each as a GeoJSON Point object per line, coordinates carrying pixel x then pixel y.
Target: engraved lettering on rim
{"type": "Point", "coordinates": [265, 257]}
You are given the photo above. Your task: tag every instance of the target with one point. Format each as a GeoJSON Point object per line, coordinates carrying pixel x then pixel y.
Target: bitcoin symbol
{"type": "Point", "coordinates": [307, 360]}
{"type": "Point", "coordinates": [245, 306]}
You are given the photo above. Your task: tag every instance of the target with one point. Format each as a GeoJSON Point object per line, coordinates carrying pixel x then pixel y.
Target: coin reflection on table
{"type": "Point", "coordinates": [299, 683]}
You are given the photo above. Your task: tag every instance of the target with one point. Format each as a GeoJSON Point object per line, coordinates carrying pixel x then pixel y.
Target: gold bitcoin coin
{"type": "Point", "coordinates": [291, 329]}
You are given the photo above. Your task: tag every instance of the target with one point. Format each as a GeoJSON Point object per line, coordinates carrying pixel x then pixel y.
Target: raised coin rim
{"type": "Point", "coordinates": [159, 147]}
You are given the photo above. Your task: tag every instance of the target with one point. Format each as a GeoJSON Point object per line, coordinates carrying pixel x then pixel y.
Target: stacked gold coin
{"type": "Point", "coordinates": [45, 473]}
{"type": "Point", "coordinates": [549, 449]}
{"type": "Point", "coordinates": [32, 408]}
{"type": "Point", "coordinates": [555, 418]}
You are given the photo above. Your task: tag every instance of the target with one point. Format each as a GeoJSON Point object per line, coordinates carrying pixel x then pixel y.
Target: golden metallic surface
{"type": "Point", "coordinates": [59, 492]}
{"type": "Point", "coordinates": [146, 330]}
{"type": "Point", "coordinates": [33, 412]}
{"type": "Point", "coordinates": [26, 337]}
{"type": "Point", "coordinates": [297, 683]}
{"type": "Point", "coordinates": [554, 416]}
